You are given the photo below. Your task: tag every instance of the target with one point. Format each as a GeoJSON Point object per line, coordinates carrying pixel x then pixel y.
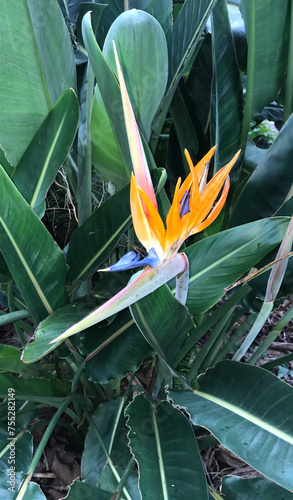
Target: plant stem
{"type": "Point", "coordinates": [41, 447]}
{"type": "Point", "coordinates": [263, 314]}
{"type": "Point", "coordinates": [272, 336]}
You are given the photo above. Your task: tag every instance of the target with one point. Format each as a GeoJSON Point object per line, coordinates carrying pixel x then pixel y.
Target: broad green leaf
{"type": "Point", "coordinates": [161, 308]}
{"type": "Point", "coordinates": [267, 31]}
{"type": "Point", "coordinates": [162, 11]}
{"type": "Point", "coordinates": [110, 424]}
{"type": "Point", "coordinates": [51, 327]}
{"type": "Point", "coordinates": [35, 261]}
{"type": "Point", "coordinates": [182, 43]}
{"type": "Point", "coordinates": [164, 447]}
{"type": "Point", "coordinates": [110, 93]}
{"type": "Point", "coordinates": [21, 450]}
{"type": "Point", "coordinates": [47, 151]}
{"type": "Point", "coordinates": [106, 154]}
{"type": "Point", "coordinates": [5, 163]}
{"type": "Point", "coordinates": [226, 89]}
{"type": "Point", "coordinates": [142, 51]}
{"type": "Point", "coordinates": [219, 260]}
{"type": "Point", "coordinates": [120, 340]}
{"type": "Point", "coordinates": [91, 244]}
{"type": "Point", "coordinates": [248, 410]}
{"type": "Point", "coordinates": [108, 482]}
{"type": "Point", "coordinates": [258, 488]}
{"type": "Point", "coordinates": [82, 489]}
{"type": "Point", "coordinates": [185, 34]}
{"type": "Point", "coordinates": [10, 361]}
{"type": "Point", "coordinates": [8, 491]}
{"type": "Point", "coordinates": [31, 388]}
{"type": "Point", "coordinates": [37, 67]}
{"type": "Point", "coordinates": [270, 183]}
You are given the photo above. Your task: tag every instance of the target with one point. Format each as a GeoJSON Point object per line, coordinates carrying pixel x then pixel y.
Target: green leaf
{"type": "Point", "coordinates": [5, 163]}
{"type": "Point", "coordinates": [219, 260]}
{"type": "Point", "coordinates": [185, 35]}
{"type": "Point", "coordinates": [161, 308]}
{"type": "Point", "coordinates": [51, 327]}
{"type": "Point", "coordinates": [142, 51]}
{"type": "Point", "coordinates": [36, 262]}
{"type": "Point", "coordinates": [110, 423]}
{"type": "Point", "coordinates": [120, 340]}
{"type": "Point", "coordinates": [10, 361]}
{"type": "Point", "coordinates": [270, 183]}
{"type": "Point", "coordinates": [82, 489]}
{"type": "Point", "coordinates": [30, 388]}
{"type": "Point", "coordinates": [182, 43]}
{"type": "Point", "coordinates": [249, 411]}
{"type": "Point", "coordinates": [258, 488]}
{"type": "Point", "coordinates": [164, 447]}
{"type": "Point", "coordinates": [37, 67]}
{"type": "Point", "coordinates": [47, 151]}
{"type": "Point", "coordinates": [162, 11]}
{"type": "Point", "coordinates": [106, 154]}
{"type": "Point", "coordinates": [110, 95]}
{"type": "Point", "coordinates": [20, 451]}
{"type": "Point", "coordinates": [267, 30]}
{"type": "Point", "coordinates": [91, 244]}
{"type": "Point", "coordinates": [8, 491]}
{"type": "Point", "coordinates": [227, 91]}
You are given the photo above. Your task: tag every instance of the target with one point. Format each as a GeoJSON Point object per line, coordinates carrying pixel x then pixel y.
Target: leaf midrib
{"type": "Point", "coordinates": [247, 416]}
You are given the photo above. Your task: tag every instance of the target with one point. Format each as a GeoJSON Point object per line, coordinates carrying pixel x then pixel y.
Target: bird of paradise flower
{"type": "Point", "coordinates": [196, 204]}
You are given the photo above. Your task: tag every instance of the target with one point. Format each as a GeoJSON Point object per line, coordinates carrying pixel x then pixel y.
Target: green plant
{"type": "Point", "coordinates": [51, 120]}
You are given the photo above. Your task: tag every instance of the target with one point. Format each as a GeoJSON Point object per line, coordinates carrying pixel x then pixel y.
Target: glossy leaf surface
{"type": "Point", "coordinates": [258, 488]}
{"type": "Point", "coordinates": [234, 401]}
{"type": "Point", "coordinates": [164, 447]}
{"type": "Point", "coordinates": [161, 308]}
{"type": "Point", "coordinates": [109, 421]}
{"type": "Point", "coordinates": [226, 91]}
{"type": "Point", "coordinates": [121, 340]}
{"type": "Point", "coordinates": [142, 49]}
{"type": "Point", "coordinates": [36, 263]}
{"type": "Point", "coordinates": [266, 25]}
{"type": "Point", "coordinates": [111, 99]}
{"type": "Point", "coordinates": [23, 449]}
{"type": "Point", "coordinates": [37, 67]}
{"type": "Point", "coordinates": [52, 326]}
{"type": "Point", "coordinates": [219, 260]}
{"type": "Point", "coordinates": [86, 490]}
{"type": "Point", "coordinates": [92, 243]}
{"type": "Point", "coordinates": [33, 490]}
{"type": "Point", "coordinates": [49, 148]}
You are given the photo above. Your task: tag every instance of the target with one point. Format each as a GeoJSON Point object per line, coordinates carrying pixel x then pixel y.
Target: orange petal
{"type": "Point", "coordinates": [173, 221]}
{"type": "Point", "coordinates": [201, 165]}
{"type": "Point", "coordinates": [215, 211]}
{"type": "Point", "coordinates": [210, 194]}
{"type": "Point", "coordinates": [155, 222]}
{"type": "Point", "coordinates": [140, 222]}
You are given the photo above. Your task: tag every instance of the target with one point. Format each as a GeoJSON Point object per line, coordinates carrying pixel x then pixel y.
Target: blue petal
{"type": "Point", "coordinates": [184, 204]}
{"type": "Point", "coordinates": [131, 261]}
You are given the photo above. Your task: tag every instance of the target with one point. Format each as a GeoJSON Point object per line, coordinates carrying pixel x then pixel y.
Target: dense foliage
{"type": "Point", "coordinates": [198, 73]}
